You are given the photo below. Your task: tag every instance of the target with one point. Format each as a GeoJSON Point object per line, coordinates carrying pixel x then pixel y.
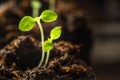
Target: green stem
{"type": "Point", "coordinates": [52, 5]}
{"type": "Point", "coordinates": [47, 58]}
{"type": "Point", "coordinates": [42, 41]}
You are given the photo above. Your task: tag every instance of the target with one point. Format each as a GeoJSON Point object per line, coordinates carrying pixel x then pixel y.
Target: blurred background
{"type": "Point", "coordinates": [100, 29]}
{"type": "Point", "coordinates": [104, 18]}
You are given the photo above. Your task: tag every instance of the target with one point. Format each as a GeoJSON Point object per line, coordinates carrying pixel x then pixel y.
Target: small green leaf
{"type": "Point", "coordinates": [47, 45]}
{"type": "Point", "coordinates": [26, 23]}
{"type": "Point", "coordinates": [48, 16]}
{"type": "Point", "coordinates": [55, 33]}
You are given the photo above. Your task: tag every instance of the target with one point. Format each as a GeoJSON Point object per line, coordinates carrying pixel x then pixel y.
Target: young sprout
{"type": "Point", "coordinates": [27, 24]}
{"type": "Point", "coordinates": [48, 44]}
{"type": "Point", "coordinates": [36, 5]}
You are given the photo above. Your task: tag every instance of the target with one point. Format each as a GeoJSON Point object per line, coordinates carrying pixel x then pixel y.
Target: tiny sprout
{"type": "Point", "coordinates": [36, 5]}
{"type": "Point", "coordinates": [48, 45]}
{"type": "Point", "coordinates": [27, 24]}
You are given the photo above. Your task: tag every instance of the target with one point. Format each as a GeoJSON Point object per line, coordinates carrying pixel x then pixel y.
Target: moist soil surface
{"type": "Point", "coordinates": [19, 61]}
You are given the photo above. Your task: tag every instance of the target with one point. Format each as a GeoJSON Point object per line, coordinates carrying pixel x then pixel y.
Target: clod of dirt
{"type": "Point", "coordinates": [24, 52]}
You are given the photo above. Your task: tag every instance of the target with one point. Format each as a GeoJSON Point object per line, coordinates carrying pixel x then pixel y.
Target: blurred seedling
{"type": "Point", "coordinates": [36, 5]}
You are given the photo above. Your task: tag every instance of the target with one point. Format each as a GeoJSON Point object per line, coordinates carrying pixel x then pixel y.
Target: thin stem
{"type": "Point", "coordinates": [47, 58]}
{"type": "Point", "coordinates": [52, 5]}
{"type": "Point", "coordinates": [42, 41]}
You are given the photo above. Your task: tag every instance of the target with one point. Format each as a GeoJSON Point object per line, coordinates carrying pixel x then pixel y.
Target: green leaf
{"type": "Point", "coordinates": [48, 16]}
{"type": "Point", "coordinates": [48, 45]}
{"type": "Point", "coordinates": [26, 23]}
{"type": "Point", "coordinates": [55, 33]}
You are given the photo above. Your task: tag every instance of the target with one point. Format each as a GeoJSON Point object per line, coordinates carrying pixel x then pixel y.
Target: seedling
{"type": "Point", "coordinates": [27, 24]}
{"type": "Point", "coordinates": [48, 44]}
{"type": "Point", "coordinates": [36, 5]}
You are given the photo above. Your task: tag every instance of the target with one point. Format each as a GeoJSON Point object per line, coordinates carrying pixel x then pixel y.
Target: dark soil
{"type": "Point", "coordinates": [19, 60]}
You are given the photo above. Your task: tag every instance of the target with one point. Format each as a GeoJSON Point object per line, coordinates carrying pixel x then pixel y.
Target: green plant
{"type": "Point", "coordinates": [48, 44]}
{"type": "Point", "coordinates": [27, 24]}
{"type": "Point", "coordinates": [36, 5]}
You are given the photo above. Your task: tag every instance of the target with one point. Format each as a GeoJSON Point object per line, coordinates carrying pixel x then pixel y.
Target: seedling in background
{"type": "Point", "coordinates": [27, 24]}
{"type": "Point", "coordinates": [36, 5]}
